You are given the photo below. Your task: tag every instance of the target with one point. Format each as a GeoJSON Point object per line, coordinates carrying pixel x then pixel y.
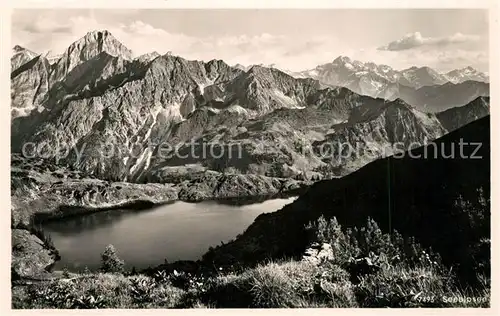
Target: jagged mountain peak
{"type": "Point", "coordinates": [342, 59]}
{"type": "Point", "coordinates": [215, 61]}
{"type": "Point", "coordinates": [99, 33]}
{"type": "Point", "coordinates": [21, 56]}
{"type": "Point", "coordinates": [165, 59]}
{"type": "Point", "coordinates": [148, 57]}
{"type": "Point", "coordinates": [347, 62]}
{"type": "Point", "coordinates": [259, 69]}
{"type": "Point", "coordinates": [270, 78]}
{"type": "Point", "coordinates": [421, 70]}
{"type": "Point", "coordinates": [18, 49]}
{"type": "Point", "coordinates": [99, 36]}
{"type": "Point", "coordinates": [241, 67]}
{"type": "Point", "coordinates": [422, 76]}
{"type": "Point", "coordinates": [263, 71]}
{"type": "Point", "coordinates": [217, 64]}
{"type": "Point", "coordinates": [101, 41]}
{"type": "Point", "coordinates": [468, 69]}
{"type": "Point", "coordinates": [259, 73]}
{"type": "Point", "coordinates": [87, 48]}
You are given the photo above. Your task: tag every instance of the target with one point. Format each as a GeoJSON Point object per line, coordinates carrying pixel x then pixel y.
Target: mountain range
{"type": "Point", "coordinates": [97, 93]}
{"type": "Point", "coordinates": [422, 87]}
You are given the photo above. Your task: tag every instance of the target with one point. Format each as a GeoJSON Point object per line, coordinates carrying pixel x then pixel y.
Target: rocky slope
{"type": "Point", "coordinates": [30, 257]}
{"type": "Point", "coordinates": [308, 143]}
{"type": "Point", "coordinates": [449, 95]}
{"type": "Point", "coordinates": [331, 139]}
{"type": "Point", "coordinates": [41, 190]}
{"type": "Point", "coordinates": [87, 48]}
{"type": "Point", "coordinates": [29, 86]}
{"type": "Point", "coordinates": [20, 56]}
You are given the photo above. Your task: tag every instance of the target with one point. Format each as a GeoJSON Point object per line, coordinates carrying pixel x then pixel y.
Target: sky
{"type": "Point", "coordinates": [443, 39]}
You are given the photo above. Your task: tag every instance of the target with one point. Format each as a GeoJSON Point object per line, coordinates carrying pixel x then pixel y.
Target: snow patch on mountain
{"type": "Point", "coordinates": [235, 108]}
{"type": "Point", "coordinates": [290, 102]}
{"type": "Point", "coordinates": [203, 85]}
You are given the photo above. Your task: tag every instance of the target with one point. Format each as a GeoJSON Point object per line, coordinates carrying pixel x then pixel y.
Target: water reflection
{"type": "Point", "coordinates": [177, 231]}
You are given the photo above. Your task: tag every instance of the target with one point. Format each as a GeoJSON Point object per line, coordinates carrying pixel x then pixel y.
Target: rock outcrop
{"type": "Point", "coordinates": [29, 86]}
{"type": "Point", "coordinates": [43, 191]}
{"type": "Point", "coordinates": [30, 256]}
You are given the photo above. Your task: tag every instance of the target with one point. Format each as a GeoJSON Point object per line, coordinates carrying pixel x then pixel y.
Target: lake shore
{"type": "Point", "coordinates": [39, 195]}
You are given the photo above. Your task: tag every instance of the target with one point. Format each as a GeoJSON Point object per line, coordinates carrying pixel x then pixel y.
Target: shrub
{"type": "Point", "coordinates": [65, 272]}
{"type": "Point", "coordinates": [388, 270]}
{"type": "Point", "coordinates": [369, 242]}
{"type": "Point", "coordinates": [142, 289]}
{"type": "Point", "coordinates": [110, 262]}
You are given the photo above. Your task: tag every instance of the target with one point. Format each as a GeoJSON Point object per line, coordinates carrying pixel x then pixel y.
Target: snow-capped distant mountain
{"type": "Point", "coordinates": [418, 77]}
{"type": "Point", "coordinates": [148, 57]}
{"type": "Point", "coordinates": [364, 78]}
{"type": "Point", "coordinates": [465, 74]}
{"type": "Point", "coordinates": [382, 81]}
{"type": "Point", "coordinates": [348, 73]}
{"type": "Point", "coordinates": [20, 56]}
{"type": "Point", "coordinates": [51, 57]}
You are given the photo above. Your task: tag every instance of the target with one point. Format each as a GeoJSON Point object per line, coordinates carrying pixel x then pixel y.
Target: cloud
{"type": "Point", "coordinates": [141, 28]}
{"type": "Point", "coordinates": [413, 40]}
{"type": "Point", "coordinates": [46, 25]}
{"type": "Point", "coordinates": [42, 33]}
